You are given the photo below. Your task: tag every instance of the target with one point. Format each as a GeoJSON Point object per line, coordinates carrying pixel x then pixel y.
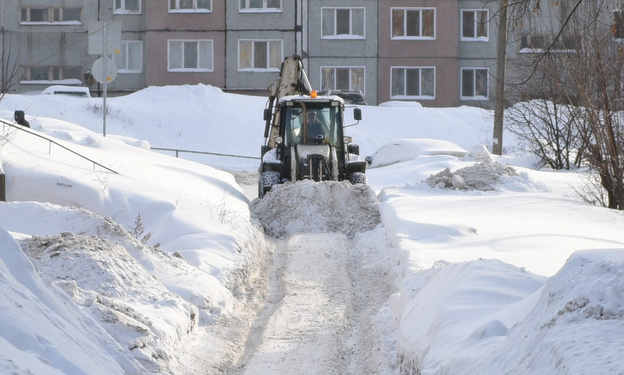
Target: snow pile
{"type": "Point", "coordinates": [150, 300]}
{"type": "Point", "coordinates": [452, 308]}
{"type": "Point", "coordinates": [42, 331]}
{"type": "Point", "coordinates": [485, 175]}
{"type": "Point", "coordinates": [481, 176]}
{"type": "Point", "coordinates": [102, 277]}
{"type": "Point", "coordinates": [308, 206]}
{"type": "Point", "coordinates": [579, 316]}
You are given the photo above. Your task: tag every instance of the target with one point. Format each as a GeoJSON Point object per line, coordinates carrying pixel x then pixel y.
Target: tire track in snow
{"type": "Point", "coordinates": [327, 308]}
{"type": "Point", "coordinates": [307, 332]}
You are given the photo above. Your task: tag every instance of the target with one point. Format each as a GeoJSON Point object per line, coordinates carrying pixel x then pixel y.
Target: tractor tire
{"type": "Point", "coordinates": [357, 178]}
{"type": "Point", "coordinates": [266, 181]}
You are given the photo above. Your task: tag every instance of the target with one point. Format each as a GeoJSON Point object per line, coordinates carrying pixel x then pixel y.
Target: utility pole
{"type": "Point", "coordinates": [501, 57]}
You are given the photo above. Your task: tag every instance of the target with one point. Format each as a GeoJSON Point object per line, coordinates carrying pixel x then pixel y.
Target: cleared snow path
{"type": "Point", "coordinates": [326, 310]}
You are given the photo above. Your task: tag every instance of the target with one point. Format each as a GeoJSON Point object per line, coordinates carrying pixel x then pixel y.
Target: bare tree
{"type": "Point", "coordinates": [583, 64]}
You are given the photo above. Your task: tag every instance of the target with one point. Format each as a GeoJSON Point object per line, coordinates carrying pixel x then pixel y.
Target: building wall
{"type": "Point", "coordinates": [258, 26]}
{"type": "Point", "coordinates": [163, 26]}
{"type": "Point", "coordinates": [342, 51]}
{"type": "Point", "coordinates": [479, 52]}
{"type": "Point", "coordinates": [439, 52]}
{"type": "Point", "coordinates": [298, 25]}
{"type": "Point", "coordinates": [133, 27]}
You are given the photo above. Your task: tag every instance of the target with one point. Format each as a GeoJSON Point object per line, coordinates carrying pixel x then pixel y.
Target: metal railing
{"type": "Point", "coordinates": [178, 151]}
{"type": "Point", "coordinates": [27, 130]}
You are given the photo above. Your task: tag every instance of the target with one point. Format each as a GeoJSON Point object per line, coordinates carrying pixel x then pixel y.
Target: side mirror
{"type": "Point", "coordinates": [357, 114]}
{"type": "Point", "coordinates": [267, 114]}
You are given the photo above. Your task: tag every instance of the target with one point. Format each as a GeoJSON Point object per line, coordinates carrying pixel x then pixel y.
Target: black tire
{"type": "Point", "coordinates": [266, 181]}
{"type": "Point", "coordinates": [357, 178]}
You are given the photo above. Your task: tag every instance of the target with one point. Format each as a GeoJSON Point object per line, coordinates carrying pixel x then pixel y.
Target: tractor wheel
{"type": "Point", "coordinates": [357, 178]}
{"type": "Point", "coordinates": [266, 181]}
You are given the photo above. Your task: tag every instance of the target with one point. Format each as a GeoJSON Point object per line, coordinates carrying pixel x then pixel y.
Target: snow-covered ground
{"type": "Point", "coordinates": [458, 262]}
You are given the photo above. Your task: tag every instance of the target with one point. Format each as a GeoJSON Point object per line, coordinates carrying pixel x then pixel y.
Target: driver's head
{"type": "Point", "coordinates": [311, 116]}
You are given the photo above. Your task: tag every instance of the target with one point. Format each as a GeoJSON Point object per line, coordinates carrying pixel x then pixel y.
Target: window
{"type": "Point", "coordinates": [475, 25]}
{"type": "Point", "coordinates": [253, 5]}
{"type": "Point", "coordinates": [342, 78]}
{"type": "Point", "coordinates": [474, 85]}
{"type": "Point", "coordinates": [47, 15]}
{"type": "Point", "coordinates": [413, 82]}
{"type": "Point", "coordinates": [618, 24]}
{"type": "Point", "coordinates": [541, 43]}
{"type": "Point", "coordinates": [413, 23]}
{"type": "Point", "coordinates": [190, 5]}
{"type": "Point", "coordinates": [127, 6]}
{"type": "Point", "coordinates": [343, 22]}
{"type": "Point", "coordinates": [130, 57]}
{"type": "Point", "coordinates": [52, 73]}
{"type": "Point", "coordinates": [262, 55]}
{"type": "Point", "coordinates": [190, 56]}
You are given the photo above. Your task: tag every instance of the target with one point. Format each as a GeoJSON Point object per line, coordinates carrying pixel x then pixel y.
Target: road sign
{"type": "Point", "coordinates": [104, 37]}
{"type": "Point", "coordinates": [104, 70]}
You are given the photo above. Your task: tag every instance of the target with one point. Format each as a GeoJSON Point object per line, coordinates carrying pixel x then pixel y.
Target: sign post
{"type": "Point", "coordinates": [104, 39]}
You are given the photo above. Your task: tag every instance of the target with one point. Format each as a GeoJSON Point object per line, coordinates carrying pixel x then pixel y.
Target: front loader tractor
{"type": "Point", "coordinates": [304, 134]}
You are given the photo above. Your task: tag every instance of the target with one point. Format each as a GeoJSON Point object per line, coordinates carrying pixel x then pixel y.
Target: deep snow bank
{"type": "Point", "coordinates": [488, 317]}
{"type": "Point", "coordinates": [308, 206]}
{"type": "Point", "coordinates": [147, 299]}
{"type": "Point", "coordinates": [576, 326]}
{"type": "Point", "coordinates": [43, 332]}
{"type": "Point", "coordinates": [447, 311]}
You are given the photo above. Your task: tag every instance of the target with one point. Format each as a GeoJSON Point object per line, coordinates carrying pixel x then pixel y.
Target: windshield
{"type": "Point", "coordinates": [313, 124]}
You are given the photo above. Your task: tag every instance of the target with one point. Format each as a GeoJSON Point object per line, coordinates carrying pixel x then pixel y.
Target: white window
{"type": "Point", "coordinates": [191, 55]}
{"type": "Point", "coordinates": [127, 6]}
{"type": "Point", "coordinates": [260, 55]}
{"type": "Point", "coordinates": [258, 5]}
{"type": "Point", "coordinates": [413, 23]}
{"type": "Point", "coordinates": [343, 22]}
{"type": "Point", "coordinates": [413, 83]}
{"type": "Point", "coordinates": [190, 5]}
{"type": "Point", "coordinates": [342, 78]}
{"type": "Point", "coordinates": [475, 25]}
{"type": "Point", "coordinates": [474, 83]}
{"type": "Point", "coordinates": [47, 15]}
{"type": "Point", "coordinates": [130, 57]}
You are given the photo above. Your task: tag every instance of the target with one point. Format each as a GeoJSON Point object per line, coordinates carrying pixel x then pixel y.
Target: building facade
{"type": "Point", "coordinates": [436, 52]}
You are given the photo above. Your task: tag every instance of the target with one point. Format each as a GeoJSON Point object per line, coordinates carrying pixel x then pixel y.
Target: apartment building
{"type": "Point", "coordinates": [436, 52]}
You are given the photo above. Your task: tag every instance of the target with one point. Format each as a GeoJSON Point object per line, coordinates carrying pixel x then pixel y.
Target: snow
{"type": "Point", "coordinates": [458, 261]}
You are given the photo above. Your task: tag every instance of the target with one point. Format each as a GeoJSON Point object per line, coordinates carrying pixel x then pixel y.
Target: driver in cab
{"type": "Point", "coordinates": [315, 131]}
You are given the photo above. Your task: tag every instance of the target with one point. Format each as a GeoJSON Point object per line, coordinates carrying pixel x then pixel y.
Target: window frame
{"type": "Point", "coordinates": [351, 83]}
{"type": "Point", "coordinates": [476, 24]}
{"type": "Point", "coordinates": [51, 15]}
{"type": "Point", "coordinates": [177, 9]}
{"type": "Point", "coordinates": [245, 8]}
{"type": "Point", "coordinates": [420, 95]}
{"type": "Point", "coordinates": [474, 95]}
{"type": "Point", "coordinates": [269, 68]}
{"type": "Point", "coordinates": [335, 34]}
{"type": "Point", "coordinates": [122, 9]}
{"type": "Point", "coordinates": [198, 69]}
{"type": "Point", "coordinates": [124, 46]}
{"type": "Point", "coordinates": [52, 70]}
{"type": "Point", "coordinates": [422, 24]}
{"type": "Point", "coordinates": [541, 43]}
